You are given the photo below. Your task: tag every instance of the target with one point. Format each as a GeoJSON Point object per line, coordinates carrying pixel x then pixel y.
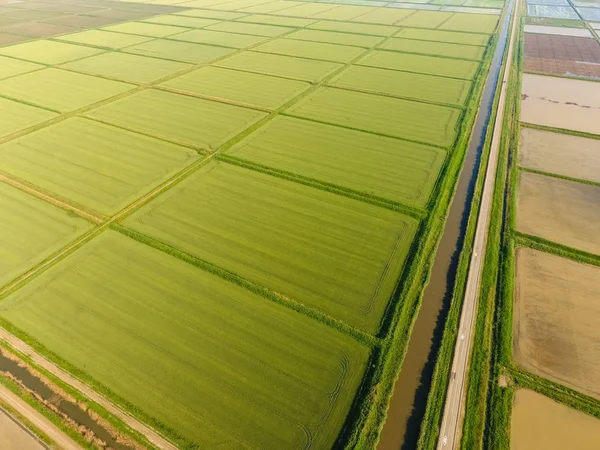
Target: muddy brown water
{"type": "Point", "coordinates": [70, 409]}
{"type": "Point", "coordinates": [409, 400]}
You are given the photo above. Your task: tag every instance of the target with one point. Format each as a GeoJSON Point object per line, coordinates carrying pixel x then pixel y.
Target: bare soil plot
{"type": "Point", "coordinates": [6, 39]}
{"type": "Point", "coordinates": [400, 171]}
{"type": "Point", "coordinates": [83, 21]}
{"type": "Point", "coordinates": [48, 52]}
{"type": "Point", "coordinates": [14, 435]}
{"type": "Point", "coordinates": [561, 103]}
{"type": "Point", "coordinates": [31, 231]}
{"type": "Point", "coordinates": [444, 36]}
{"type": "Point", "coordinates": [556, 319]}
{"type": "Point", "coordinates": [95, 165]}
{"type": "Point", "coordinates": [558, 31]}
{"type": "Point", "coordinates": [18, 116]}
{"type": "Point", "coordinates": [311, 50]}
{"type": "Point", "coordinates": [430, 65]}
{"type": "Point", "coordinates": [283, 66]}
{"type": "Point", "coordinates": [435, 48]}
{"type": "Point", "coordinates": [334, 37]}
{"type": "Point", "coordinates": [187, 52]}
{"type": "Point", "coordinates": [563, 154]}
{"type": "Point", "coordinates": [220, 38]}
{"type": "Point", "coordinates": [562, 211]}
{"type": "Point", "coordinates": [538, 422]}
{"type": "Point", "coordinates": [404, 84]}
{"type": "Point", "coordinates": [168, 115]}
{"type": "Point", "coordinates": [61, 90]}
{"type": "Point", "coordinates": [39, 29]}
{"type": "Point", "coordinates": [242, 87]}
{"type": "Point", "coordinates": [205, 358]}
{"type": "Point", "coordinates": [348, 255]}
{"type": "Point", "coordinates": [250, 28]}
{"type": "Point", "coordinates": [10, 67]}
{"type": "Point", "coordinates": [562, 55]}
{"type": "Point", "coordinates": [104, 39]}
{"type": "Point", "coordinates": [427, 123]}
{"type": "Point", "coordinates": [126, 67]}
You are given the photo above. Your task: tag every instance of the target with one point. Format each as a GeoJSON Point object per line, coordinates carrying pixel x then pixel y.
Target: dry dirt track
{"type": "Point", "coordinates": [451, 426]}
{"type": "Point", "coordinates": [52, 431]}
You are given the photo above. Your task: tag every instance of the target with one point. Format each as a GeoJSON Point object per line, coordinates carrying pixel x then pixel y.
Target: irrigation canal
{"type": "Point", "coordinates": [409, 400]}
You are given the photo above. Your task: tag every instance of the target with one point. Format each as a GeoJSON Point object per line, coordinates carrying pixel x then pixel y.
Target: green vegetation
{"type": "Point", "coordinates": [125, 67]}
{"type": "Point", "coordinates": [409, 85]}
{"type": "Point", "coordinates": [198, 357]}
{"type": "Point", "coordinates": [444, 36]}
{"type": "Point", "coordinates": [18, 116]}
{"type": "Point", "coordinates": [145, 29]}
{"type": "Point", "coordinates": [180, 21]}
{"type": "Point", "coordinates": [104, 39]}
{"type": "Point", "coordinates": [348, 271]}
{"type": "Point", "coordinates": [435, 48]}
{"type": "Point", "coordinates": [121, 167]}
{"type": "Point", "coordinates": [365, 163]}
{"type": "Point", "coordinates": [10, 67]}
{"type": "Point", "coordinates": [425, 19]}
{"type": "Point", "coordinates": [432, 65]}
{"type": "Point", "coordinates": [278, 65]}
{"type": "Point", "coordinates": [31, 231]}
{"type": "Point", "coordinates": [48, 52]}
{"type": "Point", "coordinates": [60, 90]}
{"type": "Point", "coordinates": [187, 52]}
{"type": "Point", "coordinates": [232, 40]}
{"type": "Point", "coordinates": [311, 50]}
{"type": "Point", "coordinates": [464, 22]}
{"type": "Point", "coordinates": [431, 124]}
{"type": "Point", "coordinates": [249, 28]}
{"type": "Point", "coordinates": [241, 87]}
{"type": "Point", "coordinates": [358, 40]}
{"type": "Point", "coordinates": [167, 115]}
{"type": "Point", "coordinates": [547, 21]}
{"type": "Point", "coordinates": [358, 28]}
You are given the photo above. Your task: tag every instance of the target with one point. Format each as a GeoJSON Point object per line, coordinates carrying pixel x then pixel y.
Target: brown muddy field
{"type": "Point", "coordinates": [556, 326]}
{"type": "Point", "coordinates": [561, 103]}
{"type": "Point", "coordinates": [563, 154]}
{"type": "Point", "coordinates": [541, 423]}
{"type": "Point", "coordinates": [15, 436]}
{"type": "Point", "coordinates": [562, 55]}
{"type": "Point", "coordinates": [566, 212]}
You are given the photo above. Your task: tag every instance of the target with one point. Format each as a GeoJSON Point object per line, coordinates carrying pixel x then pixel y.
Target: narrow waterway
{"type": "Point", "coordinates": [407, 405]}
{"type": "Point", "coordinates": [66, 407]}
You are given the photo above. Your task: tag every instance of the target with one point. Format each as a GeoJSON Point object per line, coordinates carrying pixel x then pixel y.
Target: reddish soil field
{"type": "Point", "coordinates": [562, 55]}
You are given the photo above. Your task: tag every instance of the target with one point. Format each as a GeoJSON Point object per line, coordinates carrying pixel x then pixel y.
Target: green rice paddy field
{"type": "Point", "coordinates": [261, 176]}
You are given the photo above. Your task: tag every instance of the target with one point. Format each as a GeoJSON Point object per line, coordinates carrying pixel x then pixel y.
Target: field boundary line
{"type": "Point", "coordinates": [548, 246]}
{"type": "Point", "coordinates": [431, 54]}
{"type": "Point", "coordinates": [7, 179]}
{"type": "Point", "coordinates": [382, 202]}
{"type": "Point", "coordinates": [153, 436]}
{"type": "Point", "coordinates": [558, 176]}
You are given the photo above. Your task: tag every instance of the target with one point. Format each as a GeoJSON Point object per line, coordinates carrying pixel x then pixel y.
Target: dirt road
{"type": "Point", "coordinates": [453, 410]}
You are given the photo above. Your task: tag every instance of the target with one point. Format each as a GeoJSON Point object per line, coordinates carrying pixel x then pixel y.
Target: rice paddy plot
{"type": "Point", "coordinates": [31, 231]}
{"type": "Point", "coordinates": [434, 48]}
{"type": "Point", "coordinates": [348, 255]}
{"type": "Point", "coordinates": [250, 28]}
{"type": "Point", "coordinates": [61, 90]}
{"type": "Point", "coordinates": [91, 164]}
{"type": "Point", "coordinates": [311, 50]}
{"type": "Point", "coordinates": [209, 37]}
{"type": "Point", "coordinates": [562, 211]}
{"type": "Point", "coordinates": [278, 65]}
{"type": "Point", "coordinates": [429, 65]}
{"type": "Point", "coordinates": [305, 9]}
{"type": "Point", "coordinates": [384, 16]}
{"type": "Point", "coordinates": [333, 37]}
{"type": "Point", "coordinates": [404, 84]}
{"type": "Point", "coordinates": [241, 87]}
{"type": "Point", "coordinates": [206, 358]}
{"type": "Point", "coordinates": [221, 15]}
{"type": "Point", "coordinates": [444, 36]}
{"type": "Point", "coordinates": [269, 7]}
{"type": "Point", "coordinates": [555, 12]}
{"type": "Point", "coordinates": [467, 22]}
{"type": "Point", "coordinates": [344, 12]}
{"type": "Point", "coordinates": [182, 21]}
{"type": "Point", "coordinates": [358, 28]}
{"type": "Point", "coordinates": [145, 29]}
{"type": "Point", "coordinates": [17, 116]}
{"type": "Point", "coordinates": [10, 67]}
{"type": "Point", "coordinates": [104, 39]}
{"type": "Point", "coordinates": [403, 172]}
{"type": "Point", "coordinates": [425, 19]}
{"type": "Point", "coordinates": [277, 20]}
{"type": "Point", "coordinates": [126, 67]}
{"type": "Point", "coordinates": [48, 52]}
{"type": "Point", "coordinates": [169, 116]}
{"type": "Point", "coordinates": [187, 52]}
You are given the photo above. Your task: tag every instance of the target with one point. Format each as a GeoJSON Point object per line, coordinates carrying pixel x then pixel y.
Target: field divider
{"type": "Point", "coordinates": [548, 246]}
{"type": "Point", "coordinates": [417, 213]}
{"type": "Point", "coordinates": [357, 334]}
{"type": "Point", "coordinates": [559, 176]}
{"type": "Point", "coordinates": [26, 187]}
